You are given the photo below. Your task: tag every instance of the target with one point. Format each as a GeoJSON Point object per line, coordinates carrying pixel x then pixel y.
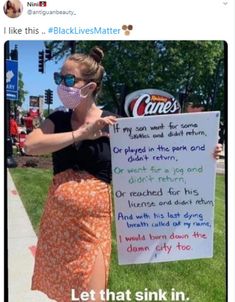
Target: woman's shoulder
{"type": "Point", "coordinates": [61, 120]}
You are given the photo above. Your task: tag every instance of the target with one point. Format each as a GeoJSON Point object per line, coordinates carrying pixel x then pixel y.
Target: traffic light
{"type": "Point", "coordinates": [48, 96]}
{"type": "Point", "coordinates": [48, 54]}
{"type": "Point", "coordinates": [41, 61]}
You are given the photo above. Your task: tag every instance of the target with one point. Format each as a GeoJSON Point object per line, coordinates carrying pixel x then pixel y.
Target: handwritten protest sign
{"type": "Point", "coordinates": [164, 186]}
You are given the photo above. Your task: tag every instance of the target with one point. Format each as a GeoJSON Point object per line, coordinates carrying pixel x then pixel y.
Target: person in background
{"type": "Point", "coordinates": [190, 107]}
{"type": "Point", "coordinates": [13, 129]}
{"type": "Point", "coordinates": [28, 122]}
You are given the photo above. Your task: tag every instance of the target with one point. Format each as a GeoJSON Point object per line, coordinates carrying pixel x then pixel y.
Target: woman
{"type": "Point", "coordinates": [74, 240]}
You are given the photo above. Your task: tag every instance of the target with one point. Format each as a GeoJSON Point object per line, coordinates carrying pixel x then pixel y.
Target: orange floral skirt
{"type": "Point", "coordinates": [75, 225]}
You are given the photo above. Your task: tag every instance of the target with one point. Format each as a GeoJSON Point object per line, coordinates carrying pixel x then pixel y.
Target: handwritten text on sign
{"type": "Point", "coordinates": [164, 183]}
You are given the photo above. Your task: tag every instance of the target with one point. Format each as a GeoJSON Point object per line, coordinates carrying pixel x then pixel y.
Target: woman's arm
{"type": "Point", "coordinates": [43, 140]}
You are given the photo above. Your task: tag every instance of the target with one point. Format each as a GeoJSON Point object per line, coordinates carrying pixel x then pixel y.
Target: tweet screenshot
{"type": "Point", "coordinates": [118, 154]}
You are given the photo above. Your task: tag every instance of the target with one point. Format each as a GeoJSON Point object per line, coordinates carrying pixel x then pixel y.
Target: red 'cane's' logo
{"type": "Point", "coordinates": [150, 102]}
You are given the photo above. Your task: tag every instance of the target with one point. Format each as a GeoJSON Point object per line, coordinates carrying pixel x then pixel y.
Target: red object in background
{"type": "Point", "coordinates": [22, 138]}
{"type": "Point", "coordinates": [13, 127]}
{"type": "Point", "coordinates": [28, 121]}
{"type": "Point", "coordinates": [34, 112]}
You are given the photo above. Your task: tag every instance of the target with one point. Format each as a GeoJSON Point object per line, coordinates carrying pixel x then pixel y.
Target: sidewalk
{"type": "Point", "coordinates": [21, 249]}
{"type": "Point", "coordinates": [220, 167]}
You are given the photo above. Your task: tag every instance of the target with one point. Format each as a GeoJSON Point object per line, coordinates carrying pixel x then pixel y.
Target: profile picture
{"type": "Point", "coordinates": [13, 8]}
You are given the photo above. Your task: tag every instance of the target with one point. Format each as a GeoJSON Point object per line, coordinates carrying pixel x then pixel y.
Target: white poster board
{"type": "Point", "coordinates": [164, 186]}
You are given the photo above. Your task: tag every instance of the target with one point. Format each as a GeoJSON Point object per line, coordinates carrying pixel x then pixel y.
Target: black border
{"type": "Point", "coordinates": [5, 212]}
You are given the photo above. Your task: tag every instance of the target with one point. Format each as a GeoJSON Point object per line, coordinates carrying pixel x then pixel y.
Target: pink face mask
{"type": "Point", "coordinates": [71, 97]}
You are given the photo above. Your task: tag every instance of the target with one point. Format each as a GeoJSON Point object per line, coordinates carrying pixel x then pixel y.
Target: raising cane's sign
{"type": "Point", "coordinates": [150, 102]}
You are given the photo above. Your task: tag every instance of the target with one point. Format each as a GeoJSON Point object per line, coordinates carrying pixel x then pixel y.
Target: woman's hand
{"type": "Point", "coordinates": [217, 151]}
{"type": "Point", "coordinates": [94, 130]}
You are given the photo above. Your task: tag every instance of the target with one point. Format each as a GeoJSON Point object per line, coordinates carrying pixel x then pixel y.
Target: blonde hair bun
{"type": "Point", "coordinates": [97, 54]}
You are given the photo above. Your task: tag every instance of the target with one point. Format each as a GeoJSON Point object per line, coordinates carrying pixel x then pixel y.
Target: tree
{"type": "Point", "coordinates": [195, 68]}
{"type": "Point", "coordinates": [21, 92]}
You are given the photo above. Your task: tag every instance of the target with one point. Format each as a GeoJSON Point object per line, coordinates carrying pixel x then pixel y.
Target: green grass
{"type": "Point", "coordinates": [202, 280]}
{"type": "Point", "coordinates": [32, 185]}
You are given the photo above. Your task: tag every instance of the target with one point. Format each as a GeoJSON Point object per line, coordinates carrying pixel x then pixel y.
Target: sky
{"type": "Point", "coordinates": [36, 82]}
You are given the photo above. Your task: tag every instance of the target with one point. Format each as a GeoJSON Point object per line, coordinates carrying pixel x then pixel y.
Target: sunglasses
{"type": "Point", "coordinates": [69, 79]}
